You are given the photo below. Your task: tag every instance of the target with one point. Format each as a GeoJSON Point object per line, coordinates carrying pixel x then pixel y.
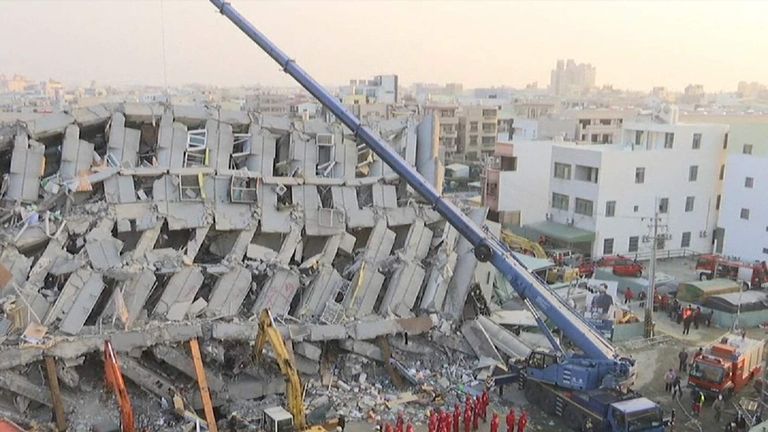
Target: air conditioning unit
{"type": "Point", "coordinates": [548, 216]}
{"type": "Point", "coordinates": [666, 236]}
{"type": "Point", "coordinates": [324, 139]}
{"type": "Point", "coordinates": [703, 234]}
{"type": "Point", "coordinates": [646, 239]}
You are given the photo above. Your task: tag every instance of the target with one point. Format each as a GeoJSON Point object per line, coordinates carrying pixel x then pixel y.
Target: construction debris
{"type": "Point", "coordinates": [152, 225]}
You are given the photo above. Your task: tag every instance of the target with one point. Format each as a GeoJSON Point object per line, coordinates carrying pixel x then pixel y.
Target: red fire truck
{"type": "Point", "coordinates": [727, 367]}
{"type": "Point", "coordinates": [753, 274]}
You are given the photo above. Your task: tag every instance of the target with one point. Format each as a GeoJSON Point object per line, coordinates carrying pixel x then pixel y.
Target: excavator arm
{"type": "Point", "coordinates": [520, 242]}
{"type": "Point", "coordinates": [294, 391]}
{"type": "Point", "coordinates": [114, 378]}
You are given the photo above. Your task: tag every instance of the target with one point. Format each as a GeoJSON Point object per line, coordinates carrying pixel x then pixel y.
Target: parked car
{"type": "Point", "coordinates": [621, 265]}
{"type": "Point", "coordinates": [565, 257]}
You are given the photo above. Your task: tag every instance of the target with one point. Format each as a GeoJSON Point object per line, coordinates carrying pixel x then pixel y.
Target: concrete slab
{"type": "Point", "coordinates": [183, 363]}
{"type": "Point", "coordinates": [179, 294]}
{"type": "Point", "coordinates": [229, 292]}
{"type": "Point", "coordinates": [104, 251]}
{"type": "Point", "coordinates": [277, 294]}
{"type": "Point", "coordinates": [504, 340]}
{"type": "Point", "coordinates": [480, 341]}
{"type": "Point", "coordinates": [83, 304]}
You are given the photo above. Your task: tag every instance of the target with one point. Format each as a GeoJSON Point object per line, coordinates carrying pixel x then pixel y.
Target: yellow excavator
{"type": "Point", "coordinates": [277, 419]}
{"type": "Point", "coordinates": [521, 243]}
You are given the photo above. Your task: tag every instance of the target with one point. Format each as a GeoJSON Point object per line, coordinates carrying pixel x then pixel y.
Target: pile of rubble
{"type": "Point", "coordinates": [151, 225]}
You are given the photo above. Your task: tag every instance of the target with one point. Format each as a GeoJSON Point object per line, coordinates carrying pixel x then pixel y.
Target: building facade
{"type": "Point", "coordinates": [477, 135]}
{"type": "Point", "coordinates": [600, 199]}
{"type": "Point", "coordinates": [380, 89]}
{"type": "Point", "coordinates": [570, 78]}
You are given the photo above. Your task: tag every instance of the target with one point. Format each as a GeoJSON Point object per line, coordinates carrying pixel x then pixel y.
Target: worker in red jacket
{"type": "Point", "coordinates": [522, 422]}
{"type": "Point", "coordinates": [399, 423]}
{"type": "Point", "coordinates": [486, 398]}
{"type": "Point", "coordinates": [409, 428]}
{"type": "Point", "coordinates": [495, 422]}
{"type": "Point", "coordinates": [432, 422]}
{"type": "Point", "coordinates": [511, 420]}
{"type": "Point", "coordinates": [388, 427]}
{"type": "Point", "coordinates": [480, 407]}
{"type": "Point", "coordinates": [468, 418]}
{"type": "Point", "coordinates": [447, 422]}
{"type": "Point", "coordinates": [456, 418]}
{"type": "Point", "coordinates": [476, 417]}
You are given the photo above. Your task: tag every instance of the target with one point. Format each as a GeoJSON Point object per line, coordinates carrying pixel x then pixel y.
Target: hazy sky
{"type": "Point", "coordinates": [633, 45]}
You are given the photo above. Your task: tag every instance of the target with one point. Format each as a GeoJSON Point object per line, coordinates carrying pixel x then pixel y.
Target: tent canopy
{"type": "Point", "coordinates": [562, 232]}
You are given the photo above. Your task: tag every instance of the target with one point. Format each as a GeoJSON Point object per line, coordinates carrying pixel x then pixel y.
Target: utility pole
{"type": "Point", "coordinates": [648, 319]}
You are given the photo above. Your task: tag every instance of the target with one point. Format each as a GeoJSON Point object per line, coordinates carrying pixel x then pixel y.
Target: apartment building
{"type": "Point", "coordinates": [569, 78]}
{"type": "Point", "coordinates": [448, 120]}
{"type": "Point", "coordinates": [600, 126]}
{"type": "Point", "coordinates": [743, 216]}
{"type": "Point", "coordinates": [599, 199]}
{"type": "Point", "coordinates": [380, 89]}
{"type": "Point", "coordinates": [477, 135]}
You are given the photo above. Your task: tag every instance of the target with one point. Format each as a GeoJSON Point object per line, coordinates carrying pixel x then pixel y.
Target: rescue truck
{"type": "Point", "coordinates": [753, 274]}
{"type": "Point", "coordinates": [726, 367]}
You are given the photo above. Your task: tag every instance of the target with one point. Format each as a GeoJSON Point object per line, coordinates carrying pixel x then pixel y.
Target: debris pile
{"type": "Point", "coordinates": [150, 225]}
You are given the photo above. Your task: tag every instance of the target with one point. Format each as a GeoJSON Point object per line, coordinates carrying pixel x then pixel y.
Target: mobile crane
{"type": "Point", "coordinates": [276, 419]}
{"type": "Point", "coordinates": [591, 386]}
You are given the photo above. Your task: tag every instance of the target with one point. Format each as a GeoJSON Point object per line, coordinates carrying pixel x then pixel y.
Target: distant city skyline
{"type": "Point", "coordinates": [633, 45]}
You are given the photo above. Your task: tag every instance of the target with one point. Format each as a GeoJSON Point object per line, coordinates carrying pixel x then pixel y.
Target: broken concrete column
{"type": "Point", "coordinates": [323, 288]}
{"type": "Point", "coordinates": [135, 293]}
{"type": "Point", "coordinates": [405, 284]}
{"type": "Point", "coordinates": [229, 292]}
{"type": "Point", "coordinates": [503, 339]}
{"type": "Point", "coordinates": [27, 162]}
{"type": "Point", "coordinates": [277, 294]}
{"type": "Point", "coordinates": [181, 361]}
{"type": "Point", "coordinates": [464, 271]}
{"type": "Point", "coordinates": [179, 294]}
{"type": "Point", "coordinates": [76, 154]}
{"type": "Point", "coordinates": [76, 301]}
{"type": "Point", "coordinates": [367, 281]}
{"type": "Point", "coordinates": [480, 341]}
{"type": "Point", "coordinates": [123, 143]}
{"type": "Point", "coordinates": [441, 271]}
{"type": "Point", "coordinates": [365, 349]}
{"type": "Point", "coordinates": [19, 384]}
{"type": "Point", "coordinates": [103, 251]}
{"type": "Point", "coordinates": [308, 350]}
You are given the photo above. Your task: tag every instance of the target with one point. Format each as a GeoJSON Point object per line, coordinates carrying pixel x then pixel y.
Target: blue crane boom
{"type": "Point", "coordinates": [486, 246]}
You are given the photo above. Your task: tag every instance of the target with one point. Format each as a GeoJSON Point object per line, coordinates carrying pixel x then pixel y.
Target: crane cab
{"type": "Point", "coordinates": [635, 415]}
{"type": "Point", "coordinates": [277, 419]}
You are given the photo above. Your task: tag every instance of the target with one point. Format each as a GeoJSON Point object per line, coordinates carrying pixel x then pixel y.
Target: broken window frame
{"type": "Point", "coordinates": [325, 143]}
{"type": "Point", "coordinates": [243, 189]}
{"type": "Point", "coordinates": [197, 181]}
{"type": "Point", "coordinates": [197, 139]}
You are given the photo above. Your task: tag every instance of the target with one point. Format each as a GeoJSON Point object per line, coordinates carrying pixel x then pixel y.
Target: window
{"type": "Point", "coordinates": [725, 141]}
{"type": "Point", "coordinates": [583, 207]}
{"type": "Point", "coordinates": [605, 122]}
{"type": "Point", "coordinates": [689, 203]}
{"type": "Point", "coordinates": [765, 250]}
{"type": "Point", "coordinates": [473, 126]}
{"type": "Point", "coordinates": [685, 241]}
{"type": "Point", "coordinates": [669, 139]}
{"type": "Point", "coordinates": [607, 246]}
{"type": "Point", "coordinates": [634, 242]}
{"type": "Point", "coordinates": [585, 173]}
{"type": "Point", "coordinates": [696, 141]}
{"type": "Point", "coordinates": [562, 171]}
{"type": "Point", "coordinates": [489, 140]}
{"type": "Point", "coordinates": [636, 209]}
{"type": "Point", "coordinates": [640, 175]}
{"type": "Point", "coordinates": [749, 182]}
{"type": "Point", "coordinates": [722, 171]}
{"type": "Point", "coordinates": [717, 202]}
{"type": "Point", "coordinates": [595, 138]}
{"type": "Point", "coordinates": [560, 201]}
{"type": "Point", "coordinates": [664, 205]}
{"type": "Point", "coordinates": [693, 173]}
{"type": "Point", "coordinates": [744, 214]}
{"type": "Point", "coordinates": [610, 208]}
{"type": "Point", "coordinates": [607, 139]}
{"type": "Point", "coordinates": [508, 163]}
{"type": "Point", "coordinates": [638, 137]}
{"type": "Point", "coordinates": [747, 149]}
{"type": "Point", "coordinates": [473, 140]}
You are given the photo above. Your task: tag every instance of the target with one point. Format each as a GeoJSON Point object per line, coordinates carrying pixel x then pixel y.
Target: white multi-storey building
{"type": "Point", "coordinates": [600, 198]}
{"type": "Point", "coordinates": [381, 89]}
{"type": "Point", "coordinates": [743, 217]}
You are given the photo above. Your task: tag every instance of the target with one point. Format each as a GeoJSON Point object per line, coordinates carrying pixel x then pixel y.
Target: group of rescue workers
{"type": "Point", "coordinates": [475, 410]}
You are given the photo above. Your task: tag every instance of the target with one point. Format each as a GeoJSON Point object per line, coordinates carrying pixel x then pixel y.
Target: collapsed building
{"type": "Point", "coordinates": [150, 225]}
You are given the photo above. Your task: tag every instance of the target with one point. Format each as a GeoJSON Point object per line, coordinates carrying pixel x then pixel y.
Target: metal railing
{"type": "Point", "coordinates": [665, 254]}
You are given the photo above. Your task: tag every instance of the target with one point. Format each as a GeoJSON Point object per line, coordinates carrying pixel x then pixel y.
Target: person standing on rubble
{"type": "Point", "coordinates": [511, 420]}
{"type": "Point", "coordinates": [683, 357]}
{"type": "Point", "coordinates": [432, 422]}
{"type": "Point", "coordinates": [480, 404]}
{"type": "Point", "coordinates": [486, 402]}
{"type": "Point", "coordinates": [342, 422]}
{"type": "Point", "coordinates": [399, 422]}
{"type": "Point", "coordinates": [495, 422]}
{"type": "Point", "coordinates": [409, 428]}
{"type": "Point", "coordinates": [522, 422]}
{"type": "Point", "coordinates": [447, 421]}
{"type": "Point", "coordinates": [476, 416]}
{"type": "Point", "coordinates": [456, 418]}
{"type": "Point", "coordinates": [669, 377]}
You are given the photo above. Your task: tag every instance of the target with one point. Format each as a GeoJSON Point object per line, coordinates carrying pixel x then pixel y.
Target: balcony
{"type": "Point", "coordinates": [504, 149]}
